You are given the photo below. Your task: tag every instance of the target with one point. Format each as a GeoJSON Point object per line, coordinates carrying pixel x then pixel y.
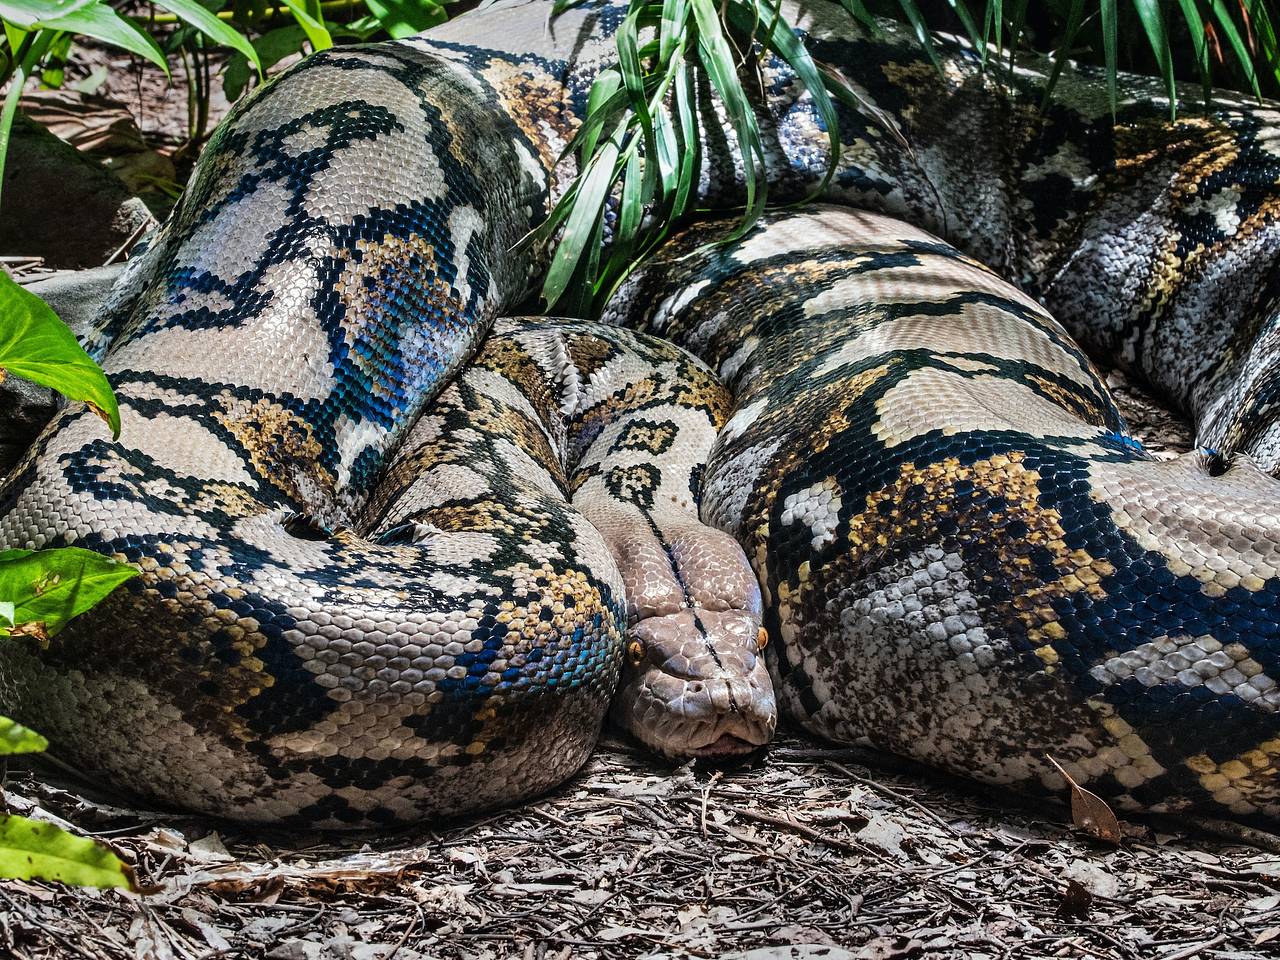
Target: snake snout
{"type": "Point", "coordinates": [695, 685]}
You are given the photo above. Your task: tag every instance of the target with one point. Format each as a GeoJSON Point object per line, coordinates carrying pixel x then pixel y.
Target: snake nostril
{"type": "Point", "coordinates": [695, 687]}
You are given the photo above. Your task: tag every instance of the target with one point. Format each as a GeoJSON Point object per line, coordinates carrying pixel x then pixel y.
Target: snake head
{"type": "Point", "coordinates": [695, 684]}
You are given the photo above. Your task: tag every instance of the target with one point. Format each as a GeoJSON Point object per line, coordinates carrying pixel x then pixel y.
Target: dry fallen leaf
{"type": "Point", "coordinates": [1090, 812]}
{"type": "Point", "coordinates": [1075, 902]}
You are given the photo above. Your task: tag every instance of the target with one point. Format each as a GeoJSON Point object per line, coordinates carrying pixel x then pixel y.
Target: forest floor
{"type": "Point", "coordinates": [810, 851]}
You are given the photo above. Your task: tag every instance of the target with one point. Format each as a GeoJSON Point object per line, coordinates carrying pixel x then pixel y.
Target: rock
{"type": "Point", "coordinates": [60, 205]}
{"type": "Point", "coordinates": [76, 296]}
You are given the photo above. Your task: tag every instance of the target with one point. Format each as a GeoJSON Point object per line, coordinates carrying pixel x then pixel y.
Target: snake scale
{"type": "Point", "coordinates": [399, 556]}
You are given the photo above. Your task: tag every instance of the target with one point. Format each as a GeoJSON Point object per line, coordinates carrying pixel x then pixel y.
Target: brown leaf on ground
{"type": "Point", "coordinates": [1090, 812]}
{"type": "Point", "coordinates": [1075, 902]}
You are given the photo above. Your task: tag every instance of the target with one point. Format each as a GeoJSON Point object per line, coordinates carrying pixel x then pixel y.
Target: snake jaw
{"type": "Point", "coordinates": [701, 688]}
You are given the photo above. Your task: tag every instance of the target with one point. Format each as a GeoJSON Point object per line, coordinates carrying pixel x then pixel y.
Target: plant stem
{"type": "Point", "coordinates": [327, 6]}
{"type": "Point", "coordinates": [15, 62]}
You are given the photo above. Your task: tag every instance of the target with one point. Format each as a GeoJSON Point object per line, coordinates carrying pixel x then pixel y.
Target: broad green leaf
{"type": "Point", "coordinates": [404, 18]}
{"type": "Point", "coordinates": [191, 12]}
{"type": "Point", "coordinates": [99, 21]}
{"type": "Point", "coordinates": [13, 34]}
{"type": "Point", "coordinates": [315, 29]}
{"type": "Point", "coordinates": [273, 46]}
{"type": "Point", "coordinates": [34, 850]}
{"type": "Point", "coordinates": [15, 739]}
{"type": "Point", "coordinates": [49, 587]}
{"type": "Point", "coordinates": [55, 61]}
{"type": "Point", "coordinates": [36, 345]}
{"type": "Point", "coordinates": [27, 13]}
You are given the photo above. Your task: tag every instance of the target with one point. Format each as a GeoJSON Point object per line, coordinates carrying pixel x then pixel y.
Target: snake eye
{"type": "Point", "coordinates": [635, 652]}
{"type": "Point", "coordinates": [762, 639]}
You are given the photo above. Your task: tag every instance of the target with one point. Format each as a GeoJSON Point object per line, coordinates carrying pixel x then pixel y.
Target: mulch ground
{"type": "Point", "coordinates": [811, 852]}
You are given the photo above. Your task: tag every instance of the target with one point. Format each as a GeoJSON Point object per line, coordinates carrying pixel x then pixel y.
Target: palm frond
{"type": "Point", "coordinates": [638, 148]}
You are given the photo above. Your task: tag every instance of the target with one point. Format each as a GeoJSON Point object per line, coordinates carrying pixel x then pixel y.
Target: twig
{"type": "Point", "coordinates": [900, 797]}
{"type": "Point", "coordinates": [812, 834]}
{"type": "Point", "coordinates": [1191, 951]}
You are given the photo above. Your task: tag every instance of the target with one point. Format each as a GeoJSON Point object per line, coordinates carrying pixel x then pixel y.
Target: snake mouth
{"type": "Point", "coordinates": [725, 747]}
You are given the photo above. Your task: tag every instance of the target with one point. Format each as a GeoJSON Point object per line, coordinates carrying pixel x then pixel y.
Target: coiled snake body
{"type": "Point", "coordinates": [365, 600]}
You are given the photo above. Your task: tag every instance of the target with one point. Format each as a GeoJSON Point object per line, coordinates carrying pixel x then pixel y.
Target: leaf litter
{"type": "Point", "coordinates": [811, 852]}
{"type": "Point", "coordinates": [787, 857]}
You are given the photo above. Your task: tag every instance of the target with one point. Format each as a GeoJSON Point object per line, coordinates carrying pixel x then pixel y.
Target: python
{"type": "Point", "coordinates": [399, 555]}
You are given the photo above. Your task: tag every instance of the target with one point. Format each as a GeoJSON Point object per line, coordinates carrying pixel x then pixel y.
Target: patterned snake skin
{"type": "Point", "coordinates": [379, 586]}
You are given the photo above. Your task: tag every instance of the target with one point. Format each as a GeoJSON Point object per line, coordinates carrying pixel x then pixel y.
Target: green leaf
{"type": "Point", "coordinates": [27, 13]}
{"type": "Point", "coordinates": [34, 850]}
{"type": "Point", "coordinates": [99, 21]}
{"type": "Point", "coordinates": [1074, 19]}
{"type": "Point", "coordinates": [858, 10]}
{"type": "Point", "coordinates": [36, 345]}
{"type": "Point", "coordinates": [1267, 35]}
{"type": "Point", "coordinates": [1199, 42]}
{"type": "Point", "coordinates": [1153, 23]}
{"type": "Point", "coordinates": [49, 587]}
{"type": "Point", "coordinates": [993, 27]}
{"type": "Point", "coordinates": [1016, 28]}
{"type": "Point", "coordinates": [55, 61]}
{"type": "Point", "coordinates": [15, 739]}
{"type": "Point", "coordinates": [191, 12]}
{"type": "Point", "coordinates": [718, 60]}
{"type": "Point", "coordinates": [588, 199]}
{"type": "Point", "coordinates": [1223, 16]}
{"type": "Point", "coordinates": [273, 46]}
{"type": "Point", "coordinates": [404, 18]}
{"type": "Point", "coordinates": [970, 26]}
{"type": "Point", "coordinates": [315, 29]}
{"type": "Point", "coordinates": [1109, 30]}
{"type": "Point", "coordinates": [783, 41]}
{"type": "Point", "coordinates": [921, 28]}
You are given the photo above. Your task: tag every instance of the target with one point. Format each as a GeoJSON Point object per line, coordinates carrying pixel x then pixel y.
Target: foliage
{"type": "Point", "coordinates": [35, 344]}
{"type": "Point", "coordinates": [33, 849]}
{"type": "Point", "coordinates": [645, 107]}
{"type": "Point", "coordinates": [627, 122]}
{"type": "Point", "coordinates": [15, 739]}
{"type": "Point", "coordinates": [33, 29]}
{"type": "Point", "coordinates": [39, 33]}
{"type": "Point", "coordinates": [44, 589]}
{"type": "Point", "coordinates": [41, 590]}
{"type": "Point", "coordinates": [1230, 42]}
